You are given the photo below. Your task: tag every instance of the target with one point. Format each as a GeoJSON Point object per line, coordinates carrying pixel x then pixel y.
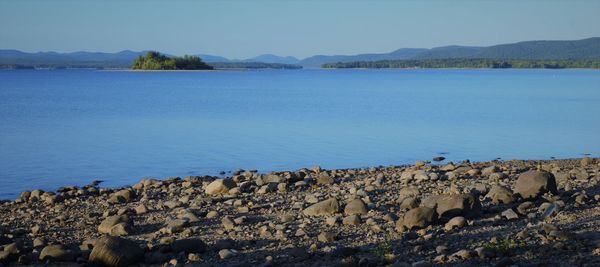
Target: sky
{"type": "Point", "coordinates": [243, 29]}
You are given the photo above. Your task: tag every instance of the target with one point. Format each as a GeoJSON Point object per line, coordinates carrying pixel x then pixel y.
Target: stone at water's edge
{"type": "Point", "coordinates": [219, 186]}
{"type": "Point", "coordinates": [533, 184]}
{"type": "Point", "coordinates": [115, 251]}
{"type": "Point", "coordinates": [122, 196]}
{"type": "Point", "coordinates": [326, 207]}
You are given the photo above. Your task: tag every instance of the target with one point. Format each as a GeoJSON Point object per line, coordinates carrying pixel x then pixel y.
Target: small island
{"type": "Point", "coordinates": [156, 61]}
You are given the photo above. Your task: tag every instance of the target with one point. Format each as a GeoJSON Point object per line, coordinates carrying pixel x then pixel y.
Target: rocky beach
{"type": "Point", "coordinates": [497, 213]}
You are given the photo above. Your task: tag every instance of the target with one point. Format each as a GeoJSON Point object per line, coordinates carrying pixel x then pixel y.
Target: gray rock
{"type": "Point", "coordinates": [141, 209]}
{"type": "Point", "coordinates": [356, 206]}
{"type": "Point", "coordinates": [407, 192]}
{"type": "Point", "coordinates": [409, 203]}
{"type": "Point", "coordinates": [500, 194]}
{"type": "Point", "coordinates": [38, 242]}
{"type": "Point", "coordinates": [326, 207]}
{"type": "Point", "coordinates": [189, 216]}
{"type": "Point", "coordinates": [489, 170]}
{"type": "Point", "coordinates": [497, 176]}
{"type": "Point", "coordinates": [6, 257]}
{"type": "Point", "coordinates": [326, 237]}
{"type": "Point", "coordinates": [417, 218]}
{"type": "Point", "coordinates": [353, 220]}
{"type": "Point", "coordinates": [227, 253]}
{"type": "Point", "coordinates": [286, 217]}
{"type": "Point", "coordinates": [176, 226]}
{"type": "Point", "coordinates": [115, 251]}
{"type": "Point", "coordinates": [562, 177]}
{"type": "Point", "coordinates": [440, 158]}
{"type": "Point", "coordinates": [57, 253]}
{"type": "Point", "coordinates": [219, 186]}
{"type": "Point", "coordinates": [510, 214]}
{"type": "Point", "coordinates": [324, 179]}
{"type": "Point", "coordinates": [228, 223]}
{"type": "Point", "coordinates": [525, 207]}
{"type": "Point", "coordinates": [551, 210]}
{"type": "Point", "coordinates": [456, 222]}
{"type": "Point", "coordinates": [171, 204]}
{"type": "Point", "coordinates": [532, 184]}
{"type": "Point", "coordinates": [587, 161]}
{"type": "Point", "coordinates": [122, 196]}
{"type": "Point", "coordinates": [452, 205]}
{"type": "Point", "coordinates": [117, 225]}
{"type": "Point", "coordinates": [332, 221]}
{"type": "Point", "coordinates": [12, 248]}
{"type": "Point", "coordinates": [212, 214]}
{"type": "Point", "coordinates": [10, 253]}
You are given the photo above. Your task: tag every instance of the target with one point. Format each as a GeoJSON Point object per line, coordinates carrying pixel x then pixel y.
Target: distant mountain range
{"type": "Point", "coordinates": [122, 59]}
{"type": "Point", "coordinates": [542, 50]}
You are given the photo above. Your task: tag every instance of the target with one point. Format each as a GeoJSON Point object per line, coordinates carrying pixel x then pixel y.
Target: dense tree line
{"type": "Point", "coordinates": [156, 61]}
{"type": "Point", "coordinates": [15, 67]}
{"type": "Point", "coordinates": [469, 63]}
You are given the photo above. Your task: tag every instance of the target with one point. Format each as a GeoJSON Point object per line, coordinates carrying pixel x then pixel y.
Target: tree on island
{"type": "Point", "coordinates": [157, 61]}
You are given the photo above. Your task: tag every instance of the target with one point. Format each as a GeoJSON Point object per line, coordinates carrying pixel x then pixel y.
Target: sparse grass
{"type": "Point", "coordinates": [504, 245]}
{"type": "Point", "coordinates": [384, 251]}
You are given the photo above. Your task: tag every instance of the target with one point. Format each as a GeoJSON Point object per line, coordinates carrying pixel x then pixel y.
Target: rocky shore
{"type": "Point", "coordinates": [498, 213]}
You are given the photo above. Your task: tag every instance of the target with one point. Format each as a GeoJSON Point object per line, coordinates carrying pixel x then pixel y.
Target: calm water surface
{"type": "Point", "coordinates": [70, 127]}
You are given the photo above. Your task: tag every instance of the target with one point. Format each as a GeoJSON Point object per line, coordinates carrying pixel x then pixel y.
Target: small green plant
{"type": "Point", "coordinates": [504, 245]}
{"type": "Point", "coordinates": [384, 251]}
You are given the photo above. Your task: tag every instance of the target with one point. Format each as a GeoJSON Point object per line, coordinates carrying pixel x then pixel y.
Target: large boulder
{"type": "Point", "coordinates": [117, 225]}
{"type": "Point", "coordinates": [326, 207]}
{"type": "Point", "coordinates": [417, 218]}
{"type": "Point", "coordinates": [219, 186]}
{"type": "Point", "coordinates": [356, 206]}
{"type": "Point", "coordinates": [532, 184]}
{"type": "Point", "coordinates": [452, 205]}
{"type": "Point", "coordinates": [115, 251]}
{"type": "Point", "coordinates": [500, 194]}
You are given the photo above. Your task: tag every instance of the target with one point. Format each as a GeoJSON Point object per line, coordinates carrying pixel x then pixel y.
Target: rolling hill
{"type": "Point", "coordinates": [531, 50]}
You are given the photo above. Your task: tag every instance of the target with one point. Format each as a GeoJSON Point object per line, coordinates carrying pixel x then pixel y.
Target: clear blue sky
{"type": "Point", "coordinates": [240, 29]}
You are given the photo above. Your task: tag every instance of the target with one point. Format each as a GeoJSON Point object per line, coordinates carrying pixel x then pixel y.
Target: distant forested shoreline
{"type": "Point", "coordinates": [253, 65]}
{"type": "Point", "coordinates": [468, 63]}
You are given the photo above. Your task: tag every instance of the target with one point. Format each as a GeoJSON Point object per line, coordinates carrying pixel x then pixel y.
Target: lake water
{"type": "Point", "coordinates": [69, 127]}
